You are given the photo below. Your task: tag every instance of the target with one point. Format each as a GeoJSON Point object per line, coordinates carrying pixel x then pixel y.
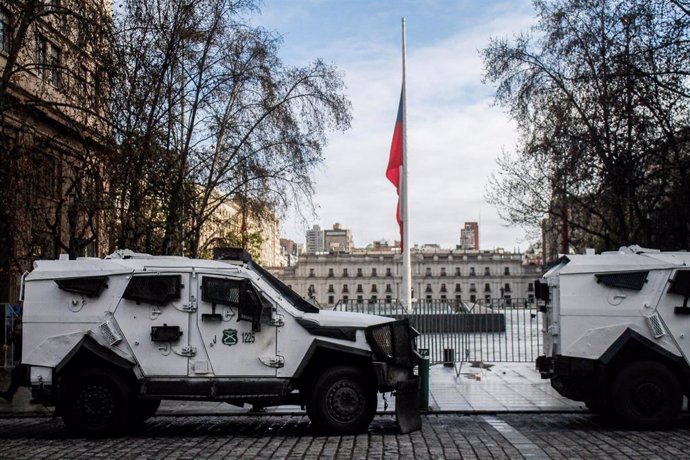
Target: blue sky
{"type": "Point", "coordinates": [454, 132]}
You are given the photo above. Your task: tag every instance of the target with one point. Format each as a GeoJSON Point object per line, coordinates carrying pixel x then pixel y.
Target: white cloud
{"type": "Point", "coordinates": [454, 137]}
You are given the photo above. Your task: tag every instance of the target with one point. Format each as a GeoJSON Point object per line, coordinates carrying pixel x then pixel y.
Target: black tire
{"type": "Point", "coordinates": [144, 409]}
{"type": "Point", "coordinates": [646, 395]}
{"type": "Point", "coordinates": [597, 407]}
{"type": "Point", "coordinates": [341, 401]}
{"type": "Point", "coordinates": [97, 403]}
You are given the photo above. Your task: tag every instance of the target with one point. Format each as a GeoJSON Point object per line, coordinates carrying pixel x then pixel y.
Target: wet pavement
{"type": "Point", "coordinates": [478, 388]}
{"type": "Point", "coordinates": [480, 411]}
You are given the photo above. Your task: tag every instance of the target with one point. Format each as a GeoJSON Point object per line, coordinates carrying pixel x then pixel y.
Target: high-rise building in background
{"type": "Point", "coordinates": [469, 236]}
{"type": "Point", "coordinates": [289, 252]}
{"type": "Point", "coordinates": [314, 240]}
{"type": "Point", "coordinates": [338, 240]}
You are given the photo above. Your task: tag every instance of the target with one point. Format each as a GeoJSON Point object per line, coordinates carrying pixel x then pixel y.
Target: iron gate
{"type": "Point", "coordinates": [453, 331]}
{"type": "Point", "coordinates": [11, 314]}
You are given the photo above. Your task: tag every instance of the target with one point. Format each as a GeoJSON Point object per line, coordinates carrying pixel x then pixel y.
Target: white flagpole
{"type": "Point", "coordinates": [407, 271]}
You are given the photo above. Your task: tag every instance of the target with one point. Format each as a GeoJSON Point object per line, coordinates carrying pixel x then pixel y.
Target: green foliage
{"type": "Point", "coordinates": [251, 242]}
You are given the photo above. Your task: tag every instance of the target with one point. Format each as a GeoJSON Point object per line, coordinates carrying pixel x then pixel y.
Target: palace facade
{"type": "Point", "coordinates": [452, 274]}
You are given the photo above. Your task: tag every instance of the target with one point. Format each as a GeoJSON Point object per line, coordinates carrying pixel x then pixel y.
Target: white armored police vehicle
{"type": "Point", "coordinates": [106, 340]}
{"type": "Point", "coordinates": [617, 332]}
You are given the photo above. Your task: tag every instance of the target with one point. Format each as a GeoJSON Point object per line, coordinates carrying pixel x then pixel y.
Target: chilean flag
{"type": "Point", "coordinates": [395, 161]}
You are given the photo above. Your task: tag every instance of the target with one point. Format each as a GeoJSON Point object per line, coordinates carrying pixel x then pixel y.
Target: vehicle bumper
{"type": "Point", "coordinates": [578, 379]}
{"type": "Point", "coordinates": [388, 376]}
{"type": "Point", "coordinates": [407, 389]}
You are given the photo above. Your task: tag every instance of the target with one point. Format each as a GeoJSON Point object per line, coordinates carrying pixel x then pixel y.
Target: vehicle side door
{"type": "Point", "coordinates": [153, 315]}
{"type": "Point", "coordinates": [229, 323]}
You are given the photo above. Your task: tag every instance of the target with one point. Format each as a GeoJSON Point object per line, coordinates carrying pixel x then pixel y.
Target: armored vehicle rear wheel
{"type": "Point", "coordinates": [646, 394]}
{"type": "Point", "coordinates": [144, 409]}
{"type": "Point", "coordinates": [97, 403]}
{"type": "Point", "coordinates": [341, 401]}
{"type": "Point", "coordinates": [597, 407]}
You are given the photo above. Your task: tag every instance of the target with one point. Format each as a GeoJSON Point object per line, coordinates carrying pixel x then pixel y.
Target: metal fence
{"type": "Point", "coordinates": [9, 351]}
{"type": "Point", "coordinates": [454, 331]}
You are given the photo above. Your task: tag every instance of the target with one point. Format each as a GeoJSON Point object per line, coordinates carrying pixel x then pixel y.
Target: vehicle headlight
{"type": "Point", "coordinates": [392, 342]}
{"type": "Point", "coordinates": [383, 336]}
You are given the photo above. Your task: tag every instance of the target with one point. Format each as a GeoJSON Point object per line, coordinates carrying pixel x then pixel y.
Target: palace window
{"type": "Point", "coordinates": [48, 58]}
{"type": "Point", "coordinates": [82, 80]}
{"type": "Point", "coordinates": [54, 62]}
{"type": "Point", "coordinates": [41, 55]}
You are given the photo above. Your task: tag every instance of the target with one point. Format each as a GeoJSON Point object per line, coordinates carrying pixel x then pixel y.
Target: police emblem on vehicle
{"type": "Point", "coordinates": [230, 337]}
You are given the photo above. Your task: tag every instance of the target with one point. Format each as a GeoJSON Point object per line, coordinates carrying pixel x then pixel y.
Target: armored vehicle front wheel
{"type": "Point", "coordinates": [341, 401]}
{"type": "Point", "coordinates": [97, 403]}
{"type": "Point", "coordinates": [646, 394]}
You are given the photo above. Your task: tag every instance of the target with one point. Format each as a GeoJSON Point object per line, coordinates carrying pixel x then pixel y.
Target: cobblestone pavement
{"type": "Point", "coordinates": [448, 436]}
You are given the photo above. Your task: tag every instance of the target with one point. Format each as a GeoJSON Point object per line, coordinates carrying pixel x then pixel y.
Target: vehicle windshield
{"type": "Point", "coordinates": [297, 300]}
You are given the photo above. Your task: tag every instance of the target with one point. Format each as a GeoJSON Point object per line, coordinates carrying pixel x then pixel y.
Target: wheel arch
{"type": "Point", "coordinates": [323, 354]}
{"type": "Point", "coordinates": [88, 353]}
{"type": "Point", "coordinates": [632, 346]}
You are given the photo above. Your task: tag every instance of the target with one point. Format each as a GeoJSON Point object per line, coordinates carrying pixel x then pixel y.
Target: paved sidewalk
{"type": "Point", "coordinates": [505, 387]}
